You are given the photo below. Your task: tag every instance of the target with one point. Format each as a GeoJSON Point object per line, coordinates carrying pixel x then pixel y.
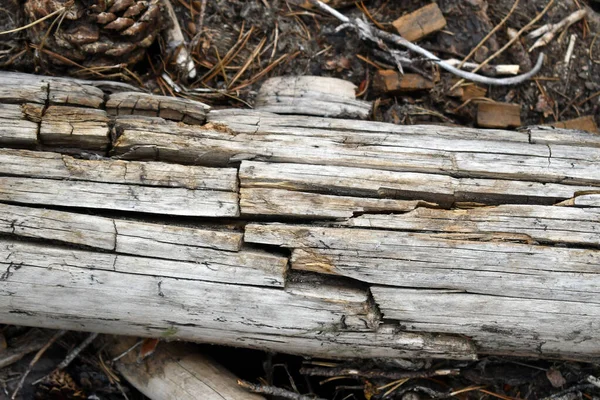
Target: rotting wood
{"type": "Point", "coordinates": [285, 203]}
{"type": "Point", "coordinates": [351, 290]}
{"type": "Point", "coordinates": [106, 184]}
{"type": "Point", "coordinates": [462, 158]}
{"type": "Point", "coordinates": [363, 182]}
{"type": "Point", "coordinates": [550, 136]}
{"type": "Point", "coordinates": [15, 129]}
{"type": "Point", "coordinates": [176, 109]}
{"type": "Point", "coordinates": [186, 243]}
{"type": "Point", "coordinates": [303, 318]}
{"type": "Point", "coordinates": [76, 128]}
{"type": "Point", "coordinates": [574, 226]}
{"type": "Point", "coordinates": [311, 95]}
{"type": "Point", "coordinates": [420, 23]}
{"type": "Point", "coordinates": [498, 115]}
{"type": "Point", "coordinates": [176, 371]}
{"type": "Point", "coordinates": [543, 327]}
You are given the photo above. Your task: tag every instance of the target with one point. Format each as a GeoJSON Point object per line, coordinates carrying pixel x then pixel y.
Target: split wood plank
{"type": "Point", "coordinates": [583, 200]}
{"type": "Point", "coordinates": [176, 109]}
{"type": "Point", "coordinates": [48, 287]}
{"type": "Point", "coordinates": [15, 129]}
{"type": "Point", "coordinates": [75, 127]}
{"type": "Point", "coordinates": [545, 224]}
{"type": "Point", "coordinates": [186, 243]}
{"type": "Point", "coordinates": [128, 191]}
{"type": "Point", "coordinates": [545, 135]}
{"type": "Point", "coordinates": [498, 115]}
{"type": "Point", "coordinates": [27, 88]}
{"type": "Point", "coordinates": [243, 268]}
{"type": "Point", "coordinates": [424, 260]}
{"type": "Point", "coordinates": [460, 158]}
{"type": "Point", "coordinates": [185, 373]}
{"type": "Point", "coordinates": [311, 95]}
{"type": "Point", "coordinates": [260, 122]}
{"type": "Point", "coordinates": [420, 23]}
{"type": "Point", "coordinates": [499, 325]}
{"type": "Point", "coordinates": [286, 203]}
{"type": "Point", "coordinates": [45, 185]}
{"type": "Point", "coordinates": [37, 164]}
{"type": "Point", "coordinates": [147, 199]}
{"type": "Point", "coordinates": [364, 182]}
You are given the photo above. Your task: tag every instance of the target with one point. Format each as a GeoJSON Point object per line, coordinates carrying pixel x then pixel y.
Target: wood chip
{"type": "Point", "coordinates": [420, 23]}
{"type": "Point", "coordinates": [498, 115]}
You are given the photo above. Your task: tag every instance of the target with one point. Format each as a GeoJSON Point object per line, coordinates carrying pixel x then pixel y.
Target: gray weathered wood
{"type": "Point", "coordinates": [407, 253]}
{"type": "Point", "coordinates": [546, 224]}
{"type": "Point", "coordinates": [37, 164]}
{"type": "Point", "coordinates": [40, 282]}
{"type": "Point", "coordinates": [285, 203]}
{"type": "Point", "coordinates": [549, 135]}
{"type": "Point", "coordinates": [539, 328]}
{"type": "Point", "coordinates": [468, 158]}
{"type": "Point", "coordinates": [107, 196]}
{"type": "Point", "coordinates": [363, 182]}
{"type": "Point", "coordinates": [240, 268]}
{"type": "Point", "coordinates": [311, 95]}
{"type": "Point", "coordinates": [75, 127]}
{"type": "Point", "coordinates": [113, 185]}
{"type": "Point", "coordinates": [26, 88]}
{"type": "Point", "coordinates": [187, 243]}
{"type": "Point", "coordinates": [583, 200]}
{"type": "Point", "coordinates": [176, 109]}
{"type": "Point", "coordinates": [15, 129]}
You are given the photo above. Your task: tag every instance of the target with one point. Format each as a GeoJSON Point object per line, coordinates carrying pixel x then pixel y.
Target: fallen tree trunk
{"type": "Point", "coordinates": [314, 236]}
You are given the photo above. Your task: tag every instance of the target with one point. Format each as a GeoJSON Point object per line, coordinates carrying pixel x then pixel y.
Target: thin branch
{"type": "Point", "coordinates": [275, 391]}
{"type": "Point", "coordinates": [378, 36]}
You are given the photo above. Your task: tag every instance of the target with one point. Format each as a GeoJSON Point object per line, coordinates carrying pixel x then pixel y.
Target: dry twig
{"type": "Point", "coordinates": [330, 372]}
{"type": "Point", "coordinates": [378, 36]}
{"type": "Point", "coordinates": [275, 391]}
{"type": "Point", "coordinates": [35, 359]}
{"type": "Point", "coordinates": [548, 31]}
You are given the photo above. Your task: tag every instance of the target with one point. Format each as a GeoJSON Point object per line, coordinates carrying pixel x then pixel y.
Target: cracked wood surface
{"type": "Point", "coordinates": [161, 224]}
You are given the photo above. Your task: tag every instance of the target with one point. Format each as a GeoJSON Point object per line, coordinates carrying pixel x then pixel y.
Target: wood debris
{"type": "Point", "coordinates": [392, 82]}
{"type": "Point", "coordinates": [420, 23]}
{"type": "Point", "coordinates": [587, 123]}
{"type": "Point", "coordinates": [498, 115]}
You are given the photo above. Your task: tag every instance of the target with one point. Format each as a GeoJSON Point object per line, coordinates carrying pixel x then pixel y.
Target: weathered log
{"type": "Point", "coordinates": [306, 235]}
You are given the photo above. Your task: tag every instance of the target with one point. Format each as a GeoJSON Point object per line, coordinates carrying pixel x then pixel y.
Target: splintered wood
{"type": "Point", "coordinates": [306, 235]}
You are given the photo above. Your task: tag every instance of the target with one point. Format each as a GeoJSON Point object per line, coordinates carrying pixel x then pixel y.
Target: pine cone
{"type": "Point", "coordinates": [95, 33]}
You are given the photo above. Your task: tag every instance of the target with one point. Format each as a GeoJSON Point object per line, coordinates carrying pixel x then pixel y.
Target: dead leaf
{"type": "Point", "coordinates": [147, 348]}
{"type": "Point", "coordinates": [555, 377]}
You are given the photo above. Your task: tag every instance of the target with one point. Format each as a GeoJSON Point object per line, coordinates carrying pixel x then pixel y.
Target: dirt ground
{"type": "Point", "coordinates": [264, 38]}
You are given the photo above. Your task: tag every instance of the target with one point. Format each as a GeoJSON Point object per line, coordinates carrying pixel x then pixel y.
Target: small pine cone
{"type": "Point", "coordinates": [95, 33]}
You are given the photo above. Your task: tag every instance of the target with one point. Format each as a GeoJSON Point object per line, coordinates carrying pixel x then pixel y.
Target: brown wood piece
{"type": "Point", "coordinates": [420, 23]}
{"type": "Point", "coordinates": [498, 115]}
{"type": "Point", "coordinates": [392, 82]}
{"type": "Point", "coordinates": [586, 123]}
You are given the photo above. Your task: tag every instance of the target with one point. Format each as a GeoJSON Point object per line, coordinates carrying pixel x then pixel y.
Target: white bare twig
{"type": "Point", "coordinates": [548, 31]}
{"type": "Point", "coordinates": [378, 36]}
{"type": "Point", "coordinates": [176, 42]}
